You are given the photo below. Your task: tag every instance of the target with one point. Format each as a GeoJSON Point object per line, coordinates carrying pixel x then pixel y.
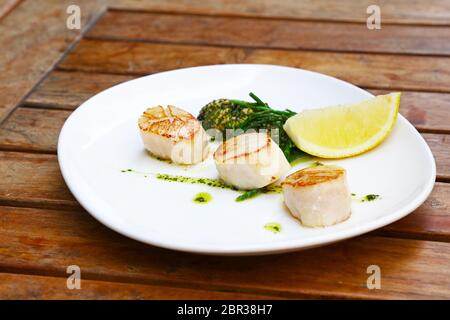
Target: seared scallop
{"type": "Point", "coordinates": [318, 196]}
{"type": "Point", "coordinates": [172, 133]}
{"type": "Point", "coordinates": [250, 161]}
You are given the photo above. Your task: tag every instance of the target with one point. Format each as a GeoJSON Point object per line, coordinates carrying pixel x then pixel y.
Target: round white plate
{"type": "Point", "coordinates": [101, 138]}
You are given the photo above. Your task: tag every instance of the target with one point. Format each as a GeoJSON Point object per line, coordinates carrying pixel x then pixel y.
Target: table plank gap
{"type": "Point", "coordinates": [427, 111]}
{"type": "Point", "coordinates": [48, 243]}
{"type": "Point", "coordinates": [36, 130]}
{"type": "Point", "coordinates": [26, 286]}
{"type": "Point", "coordinates": [399, 12]}
{"type": "Point", "coordinates": [274, 34]}
{"type": "Point", "coordinates": [34, 180]}
{"type": "Point", "coordinates": [136, 58]}
{"type": "Point", "coordinates": [38, 28]}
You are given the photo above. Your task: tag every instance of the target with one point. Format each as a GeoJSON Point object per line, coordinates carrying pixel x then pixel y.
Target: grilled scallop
{"type": "Point", "coordinates": [318, 196]}
{"type": "Point", "coordinates": [250, 161]}
{"type": "Point", "coordinates": [172, 133]}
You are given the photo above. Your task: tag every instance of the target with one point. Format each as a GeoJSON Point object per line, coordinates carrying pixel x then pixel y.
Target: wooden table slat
{"type": "Point", "coordinates": [67, 90]}
{"type": "Point", "coordinates": [35, 180]}
{"type": "Point", "coordinates": [427, 111]}
{"type": "Point", "coordinates": [19, 286]}
{"type": "Point", "coordinates": [378, 71]}
{"type": "Point", "coordinates": [38, 129]}
{"type": "Point", "coordinates": [42, 227]}
{"type": "Point", "coordinates": [435, 12]}
{"type": "Point", "coordinates": [245, 32]}
{"type": "Point", "coordinates": [35, 36]}
{"type": "Point", "coordinates": [6, 6]}
{"type": "Point", "coordinates": [48, 242]}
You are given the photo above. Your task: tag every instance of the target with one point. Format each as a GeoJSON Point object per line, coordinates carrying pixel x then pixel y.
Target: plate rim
{"type": "Point", "coordinates": [255, 249]}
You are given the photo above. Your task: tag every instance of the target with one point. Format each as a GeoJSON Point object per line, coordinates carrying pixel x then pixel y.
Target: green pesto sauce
{"type": "Point", "coordinates": [145, 174]}
{"type": "Point", "coordinates": [215, 183]}
{"type": "Point", "coordinates": [273, 227]}
{"type": "Point", "coordinates": [370, 197]}
{"type": "Point", "coordinates": [367, 198]}
{"type": "Point", "coordinates": [202, 198]}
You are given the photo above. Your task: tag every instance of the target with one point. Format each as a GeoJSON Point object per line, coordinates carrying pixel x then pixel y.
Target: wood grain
{"type": "Point", "coordinates": [35, 180]}
{"type": "Point", "coordinates": [43, 241]}
{"type": "Point", "coordinates": [48, 242]}
{"type": "Point", "coordinates": [269, 33]}
{"type": "Point", "coordinates": [32, 287]}
{"type": "Point", "coordinates": [427, 111]}
{"type": "Point", "coordinates": [32, 129]}
{"type": "Point", "coordinates": [440, 147]}
{"type": "Point", "coordinates": [38, 129]}
{"type": "Point", "coordinates": [36, 36]}
{"type": "Point", "coordinates": [431, 221]}
{"type": "Point", "coordinates": [67, 90]}
{"type": "Point", "coordinates": [6, 6]}
{"type": "Point", "coordinates": [410, 72]}
{"type": "Point", "coordinates": [434, 12]}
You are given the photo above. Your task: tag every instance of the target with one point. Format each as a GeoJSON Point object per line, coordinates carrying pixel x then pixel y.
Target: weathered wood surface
{"type": "Point", "coordinates": [67, 90]}
{"type": "Point", "coordinates": [380, 71]}
{"type": "Point", "coordinates": [440, 147]}
{"type": "Point", "coordinates": [38, 129]}
{"type": "Point", "coordinates": [434, 12]}
{"type": "Point", "coordinates": [32, 180]}
{"type": "Point", "coordinates": [271, 33]}
{"type": "Point", "coordinates": [35, 180]}
{"type": "Point", "coordinates": [18, 286]}
{"type": "Point", "coordinates": [49, 241]}
{"type": "Point", "coordinates": [430, 221]}
{"type": "Point", "coordinates": [6, 6]}
{"type": "Point", "coordinates": [42, 227]}
{"type": "Point", "coordinates": [33, 37]}
{"type": "Point", "coordinates": [427, 111]}
{"type": "Point", "coordinates": [32, 129]}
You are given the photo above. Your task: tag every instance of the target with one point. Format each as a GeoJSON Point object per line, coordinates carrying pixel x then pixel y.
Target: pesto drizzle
{"type": "Point", "coordinates": [215, 183]}
{"type": "Point", "coordinates": [219, 184]}
{"type": "Point", "coordinates": [273, 227]}
{"type": "Point", "coordinates": [367, 198]}
{"type": "Point", "coordinates": [370, 197]}
{"type": "Point", "coordinates": [202, 198]}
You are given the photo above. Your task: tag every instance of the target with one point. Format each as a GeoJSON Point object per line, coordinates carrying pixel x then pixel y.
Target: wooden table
{"type": "Point", "coordinates": [47, 71]}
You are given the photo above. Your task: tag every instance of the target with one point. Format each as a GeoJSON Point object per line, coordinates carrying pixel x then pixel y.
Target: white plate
{"type": "Point", "coordinates": [101, 137]}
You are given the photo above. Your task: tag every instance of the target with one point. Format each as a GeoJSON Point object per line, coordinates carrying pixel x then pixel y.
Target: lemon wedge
{"type": "Point", "coordinates": [344, 130]}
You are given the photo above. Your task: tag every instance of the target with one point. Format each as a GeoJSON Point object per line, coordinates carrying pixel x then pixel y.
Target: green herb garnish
{"type": "Point", "coordinates": [225, 114]}
{"type": "Point", "coordinates": [273, 227]}
{"type": "Point", "coordinates": [202, 198]}
{"type": "Point", "coordinates": [249, 194]}
{"type": "Point", "coordinates": [370, 197]}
